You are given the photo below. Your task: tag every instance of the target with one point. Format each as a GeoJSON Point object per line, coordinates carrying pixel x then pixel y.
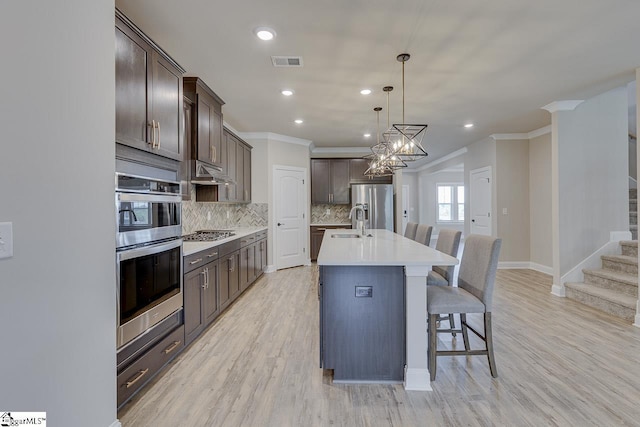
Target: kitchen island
{"type": "Point", "coordinates": [364, 282]}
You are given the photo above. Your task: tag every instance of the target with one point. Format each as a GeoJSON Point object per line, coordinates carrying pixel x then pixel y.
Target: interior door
{"type": "Point", "coordinates": [290, 201]}
{"type": "Point", "coordinates": [480, 201]}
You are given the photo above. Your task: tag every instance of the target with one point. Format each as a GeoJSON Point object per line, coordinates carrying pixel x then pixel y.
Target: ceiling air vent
{"type": "Point", "coordinates": [286, 61]}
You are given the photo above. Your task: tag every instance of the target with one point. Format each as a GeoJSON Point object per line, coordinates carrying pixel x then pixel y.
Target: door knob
{"type": "Point", "coordinates": [473, 220]}
{"type": "Point", "coordinates": [279, 224]}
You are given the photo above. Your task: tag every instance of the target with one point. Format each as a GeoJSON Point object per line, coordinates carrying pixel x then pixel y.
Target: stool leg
{"type": "Point", "coordinates": [433, 345]}
{"type": "Point", "coordinates": [465, 333]}
{"type": "Point", "coordinates": [489, 338]}
{"type": "Point", "coordinates": [452, 323]}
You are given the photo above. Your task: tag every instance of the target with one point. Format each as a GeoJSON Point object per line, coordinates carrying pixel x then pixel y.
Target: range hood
{"type": "Point", "coordinates": [206, 174]}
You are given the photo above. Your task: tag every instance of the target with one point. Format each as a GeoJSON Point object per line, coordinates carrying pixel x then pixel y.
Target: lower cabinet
{"type": "Point", "coordinates": [317, 234]}
{"type": "Point", "coordinates": [136, 375]}
{"type": "Point", "coordinates": [200, 299]}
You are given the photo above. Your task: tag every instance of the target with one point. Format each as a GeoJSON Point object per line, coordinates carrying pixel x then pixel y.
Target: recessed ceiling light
{"type": "Point", "coordinates": [468, 125]}
{"type": "Point", "coordinates": [365, 91]}
{"type": "Point", "coordinates": [287, 92]}
{"type": "Point", "coordinates": [299, 121]}
{"type": "Point", "coordinates": [265, 33]}
{"type": "Point", "coordinates": [367, 135]}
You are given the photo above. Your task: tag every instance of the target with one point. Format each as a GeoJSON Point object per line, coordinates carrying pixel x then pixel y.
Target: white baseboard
{"type": "Point", "coordinates": [116, 423]}
{"type": "Point", "coordinates": [559, 291]}
{"type": "Point", "coordinates": [307, 262]}
{"type": "Point", "coordinates": [270, 268]}
{"type": "Point", "coordinates": [511, 265]}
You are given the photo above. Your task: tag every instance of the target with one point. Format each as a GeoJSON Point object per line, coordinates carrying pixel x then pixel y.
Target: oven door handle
{"type": "Point", "coordinates": [143, 197]}
{"type": "Point", "coordinates": [148, 250]}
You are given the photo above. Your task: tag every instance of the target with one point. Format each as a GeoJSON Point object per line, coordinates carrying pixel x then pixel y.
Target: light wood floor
{"type": "Point", "coordinates": [559, 363]}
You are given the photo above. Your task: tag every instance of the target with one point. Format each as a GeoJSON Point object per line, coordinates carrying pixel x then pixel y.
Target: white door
{"type": "Point", "coordinates": [480, 200]}
{"type": "Point", "coordinates": [290, 201]}
{"type": "Point", "coordinates": [405, 207]}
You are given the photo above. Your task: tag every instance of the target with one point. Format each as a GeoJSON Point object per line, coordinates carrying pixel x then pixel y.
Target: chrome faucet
{"type": "Point", "coordinates": [360, 227]}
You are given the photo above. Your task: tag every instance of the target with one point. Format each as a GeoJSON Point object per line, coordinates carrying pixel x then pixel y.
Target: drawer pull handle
{"type": "Point", "coordinates": [321, 229]}
{"type": "Point", "coordinates": [195, 261]}
{"type": "Point", "coordinates": [212, 255]}
{"type": "Point", "coordinates": [137, 378]}
{"type": "Point", "coordinates": [171, 347]}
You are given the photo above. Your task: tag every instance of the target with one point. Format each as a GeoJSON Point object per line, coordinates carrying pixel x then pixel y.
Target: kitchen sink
{"type": "Point", "coordinates": [346, 236]}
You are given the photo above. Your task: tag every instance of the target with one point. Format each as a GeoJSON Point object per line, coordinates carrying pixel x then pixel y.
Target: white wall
{"type": "Point", "coordinates": [411, 179]}
{"type": "Point", "coordinates": [592, 150]}
{"type": "Point", "coordinates": [58, 315]}
{"type": "Point", "coordinates": [512, 197]}
{"type": "Point", "coordinates": [540, 248]}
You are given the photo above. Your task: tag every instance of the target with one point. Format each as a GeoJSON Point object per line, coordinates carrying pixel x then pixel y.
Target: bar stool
{"type": "Point", "coordinates": [410, 231]}
{"type": "Point", "coordinates": [473, 294]}
{"type": "Point", "coordinates": [448, 243]}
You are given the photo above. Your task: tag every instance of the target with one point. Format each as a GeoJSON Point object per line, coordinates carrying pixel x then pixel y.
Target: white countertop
{"type": "Point", "coordinates": [189, 248]}
{"type": "Point", "coordinates": [332, 224]}
{"type": "Point", "coordinates": [384, 248]}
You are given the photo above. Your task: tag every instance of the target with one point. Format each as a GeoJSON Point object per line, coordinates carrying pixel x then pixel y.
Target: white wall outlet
{"type": "Point", "coordinates": [6, 239]}
{"type": "Point", "coordinates": [504, 211]}
{"type": "Point", "coordinates": [328, 212]}
{"type": "Point", "coordinates": [228, 214]}
{"type": "Point", "coordinates": [208, 216]}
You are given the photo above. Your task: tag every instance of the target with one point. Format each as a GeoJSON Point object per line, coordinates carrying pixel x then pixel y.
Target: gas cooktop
{"type": "Point", "coordinates": [208, 235]}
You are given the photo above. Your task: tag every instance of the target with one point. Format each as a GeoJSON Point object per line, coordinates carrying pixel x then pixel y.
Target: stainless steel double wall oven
{"type": "Point", "coordinates": [148, 253]}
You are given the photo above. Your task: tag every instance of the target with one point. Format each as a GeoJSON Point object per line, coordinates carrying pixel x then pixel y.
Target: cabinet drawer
{"type": "Point", "coordinates": [262, 234]}
{"type": "Point", "coordinates": [142, 370]}
{"type": "Point", "coordinates": [247, 240]}
{"type": "Point", "coordinates": [229, 247]}
{"type": "Point", "coordinates": [200, 258]}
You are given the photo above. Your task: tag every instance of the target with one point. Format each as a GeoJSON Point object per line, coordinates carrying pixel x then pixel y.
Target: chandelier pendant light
{"type": "Point", "coordinates": [378, 159]}
{"type": "Point", "coordinates": [405, 140]}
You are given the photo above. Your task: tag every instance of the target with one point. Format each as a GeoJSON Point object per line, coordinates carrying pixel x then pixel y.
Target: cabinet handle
{"type": "Point", "coordinates": [321, 229]}
{"type": "Point", "coordinates": [212, 255]}
{"type": "Point", "coordinates": [214, 153]}
{"type": "Point", "coordinates": [204, 279]}
{"type": "Point", "coordinates": [153, 134]}
{"type": "Point", "coordinates": [195, 261]}
{"type": "Point", "coordinates": [206, 276]}
{"type": "Point", "coordinates": [231, 264]}
{"type": "Point", "coordinates": [171, 347]}
{"type": "Point", "coordinates": [137, 378]}
{"type": "Point", "coordinates": [158, 126]}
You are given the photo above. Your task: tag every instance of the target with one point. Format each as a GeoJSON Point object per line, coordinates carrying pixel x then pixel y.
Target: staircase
{"type": "Point", "coordinates": [614, 287]}
{"type": "Point", "coordinates": [633, 213]}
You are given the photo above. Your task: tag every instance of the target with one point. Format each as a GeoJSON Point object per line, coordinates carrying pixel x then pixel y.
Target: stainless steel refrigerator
{"type": "Point", "coordinates": [377, 201]}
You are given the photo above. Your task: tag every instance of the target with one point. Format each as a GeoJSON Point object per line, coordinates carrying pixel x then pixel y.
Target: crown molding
{"type": "Point", "coordinates": [529, 135]}
{"type": "Point", "coordinates": [231, 128]}
{"type": "Point", "coordinates": [340, 150]}
{"type": "Point", "coordinates": [539, 132]}
{"type": "Point", "coordinates": [450, 156]}
{"type": "Point", "coordinates": [275, 137]}
{"type": "Point", "coordinates": [568, 105]}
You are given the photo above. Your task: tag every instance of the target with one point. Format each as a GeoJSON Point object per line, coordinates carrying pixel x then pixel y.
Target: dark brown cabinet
{"type": "Point", "coordinates": [200, 286]}
{"type": "Point", "coordinates": [229, 273]}
{"type": "Point", "coordinates": [149, 104]}
{"type": "Point", "coordinates": [206, 122]}
{"type": "Point", "coordinates": [236, 164]}
{"type": "Point", "coordinates": [357, 168]}
{"type": "Point", "coordinates": [330, 181]}
{"type": "Point", "coordinates": [247, 261]}
{"type": "Point", "coordinates": [316, 236]}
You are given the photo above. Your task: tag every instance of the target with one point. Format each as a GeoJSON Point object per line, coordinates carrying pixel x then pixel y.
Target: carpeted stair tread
{"type": "Point", "coordinates": [624, 259]}
{"type": "Point", "coordinates": [629, 279]}
{"type": "Point", "coordinates": [605, 294]}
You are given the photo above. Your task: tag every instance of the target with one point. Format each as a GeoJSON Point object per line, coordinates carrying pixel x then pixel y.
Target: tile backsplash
{"type": "Point", "coordinates": [207, 216]}
{"type": "Point", "coordinates": [338, 214]}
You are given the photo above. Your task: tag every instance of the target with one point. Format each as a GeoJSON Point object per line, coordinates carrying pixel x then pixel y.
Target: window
{"type": "Point", "coordinates": [450, 202]}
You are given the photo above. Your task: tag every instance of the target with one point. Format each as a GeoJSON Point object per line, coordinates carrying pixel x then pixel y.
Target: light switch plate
{"type": "Point", "coordinates": [6, 239]}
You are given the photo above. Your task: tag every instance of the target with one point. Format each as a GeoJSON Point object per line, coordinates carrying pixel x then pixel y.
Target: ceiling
{"type": "Point", "coordinates": [491, 62]}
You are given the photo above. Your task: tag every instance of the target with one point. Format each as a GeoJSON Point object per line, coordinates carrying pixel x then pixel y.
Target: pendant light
{"type": "Point", "coordinates": [378, 158]}
{"type": "Point", "coordinates": [405, 139]}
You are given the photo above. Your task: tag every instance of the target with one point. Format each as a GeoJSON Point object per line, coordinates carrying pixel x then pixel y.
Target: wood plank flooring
{"type": "Point", "coordinates": [560, 363]}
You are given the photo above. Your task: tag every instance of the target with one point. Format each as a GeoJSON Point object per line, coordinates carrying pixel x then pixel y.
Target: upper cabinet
{"type": "Point", "coordinates": [357, 168]}
{"type": "Point", "coordinates": [236, 165]}
{"type": "Point", "coordinates": [330, 181]}
{"type": "Point", "coordinates": [149, 103]}
{"type": "Point", "coordinates": [207, 144]}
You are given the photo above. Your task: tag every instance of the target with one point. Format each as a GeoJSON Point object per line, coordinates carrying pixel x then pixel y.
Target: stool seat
{"type": "Point", "coordinates": [449, 299]}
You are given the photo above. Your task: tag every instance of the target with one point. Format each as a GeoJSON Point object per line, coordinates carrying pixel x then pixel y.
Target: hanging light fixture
{"type": "Point", "coordinates": [405, 140]}
{"type": "Point", "coordinates": [378, 159]}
